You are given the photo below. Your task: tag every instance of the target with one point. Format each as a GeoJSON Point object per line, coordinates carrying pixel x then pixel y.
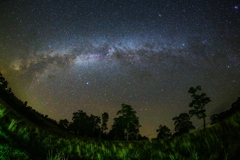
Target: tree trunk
{"type": "Point", "coordinates": [100, 133]}
{"type": "Point", "coordinates": [204, 123]}
{"type": "Point", "coordinates": [127, 130]}
{"type": "Point", "coordinates": [99, 136]}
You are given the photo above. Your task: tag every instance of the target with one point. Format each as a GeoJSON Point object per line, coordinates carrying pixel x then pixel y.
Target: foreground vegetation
{"type": "Point", "coordinates": [22, 140]}
{"type": "Point", "coordinates": [27, 134]}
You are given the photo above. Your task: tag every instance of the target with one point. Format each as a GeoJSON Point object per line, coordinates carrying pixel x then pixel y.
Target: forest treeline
{"type": "Point", "coordinates": [126, 126]}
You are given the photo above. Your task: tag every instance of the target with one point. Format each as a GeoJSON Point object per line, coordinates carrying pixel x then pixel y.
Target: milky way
{"type": "Point", "coordinates": [95, 55]}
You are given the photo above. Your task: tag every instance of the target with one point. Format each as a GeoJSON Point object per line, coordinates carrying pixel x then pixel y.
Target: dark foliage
{"type": "Point", "coordinates": [214, 118]}
{"type": "Point", "coordinates": [199, 100]}
{"type": "Point", "coordinates": [163, 132]}
{"type": "Point", "coordinates": [22, 108]}
{"type": "Point", "coordinates": [64, 123]}
{"type": "Point", "coordinates": [126, 126]}
{"type": "Point", "coordinates": [183, 124]}
{"type": "Point", "coordinates": [84, 125]}
{"type": "Point", "coordinates": [225, 114]}
{"type": "Point", "coordinates": [104, 127]}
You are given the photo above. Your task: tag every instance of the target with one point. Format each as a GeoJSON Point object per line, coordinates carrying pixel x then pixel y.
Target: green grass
{"type": "Point", "coordinates": [7, 152]}
{"type": "Point", "coordinates": [2, 112]}
{"type": "Point", "coordinates": [56, 156]}
{"type": "Point", "coordinates": [20, 139]}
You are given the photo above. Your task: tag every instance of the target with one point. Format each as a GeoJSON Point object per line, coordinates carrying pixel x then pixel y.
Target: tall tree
{"type": "Point", "coordinates": [163, 132]}
{"type": "Point", "coordinates": [104, 127]}
{"type": "Point", "coordinates": [94, 125]}
{"type": "Point", "coordinates": [199, 100]}
{"type": "Point", "coordinates": [85, 125]}
{"type": "Point", "coordinates": [80, 123]}
{"type": "Point", "coordinates": [117, 131]}
{"type": "Point", "coordinates": [127, 123]}
{"type": "Point", "coordinates": [183, 124]}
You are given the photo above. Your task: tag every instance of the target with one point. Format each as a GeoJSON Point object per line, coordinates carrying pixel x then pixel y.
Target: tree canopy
{"type": "Point", "coordinates": [85, 125]}
{"type": "Point", "coordinates": [163, 132]}
{"type": "Point", "coordinates": [183, 124]}
{"type": "Point", "coordinates": [199, 100]}
{"type": "Point", "coordinates": [127, 124]}
{"type": "Point", "coordinates": [3, 82]}
{"type": "Point", "coordinates": [64, 123]}
{"type": "Point", "coordinates": [104, 127]}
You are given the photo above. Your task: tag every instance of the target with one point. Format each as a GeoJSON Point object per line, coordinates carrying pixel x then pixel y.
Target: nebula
{"type": "Point", "coordinates": [95, 55]}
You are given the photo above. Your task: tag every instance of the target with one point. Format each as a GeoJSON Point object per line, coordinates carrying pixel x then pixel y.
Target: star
{"type": "Point", "coordinates": [93, 56]}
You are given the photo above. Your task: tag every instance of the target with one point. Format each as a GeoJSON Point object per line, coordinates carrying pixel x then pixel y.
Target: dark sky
{"type": "Point", "coordinates": [92, 55]}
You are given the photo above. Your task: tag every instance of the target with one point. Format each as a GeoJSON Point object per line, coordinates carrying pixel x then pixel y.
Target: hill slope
{"type": "Point", "coordinates": [27, 134]}
{"type": "Point", "coordinates": [22, 139]}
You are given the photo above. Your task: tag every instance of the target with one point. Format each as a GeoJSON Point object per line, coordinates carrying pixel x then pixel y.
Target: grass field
{"type": "Point", "coordinates": [21, 139]}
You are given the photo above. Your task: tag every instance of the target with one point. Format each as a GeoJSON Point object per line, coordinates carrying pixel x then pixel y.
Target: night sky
{"type": "Point", "coordinates": [92, 55]}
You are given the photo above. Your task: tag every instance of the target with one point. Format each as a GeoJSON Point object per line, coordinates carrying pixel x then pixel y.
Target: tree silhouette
{"type": "Point", "coordinates": [199, 100]}
{"type": "Point", "coordinates": [64, 123]}
{"type": "Point", "coordinates": [127, 124]}
{"type": "Point", "coordinates": [225, 114]}
{"type": "Point", "coordinates": [236, 106]}
{"type": "Point", "coordinates": [117, 130]}
{"type": "Point", "coordinates": [163, 132]}
{"type": "Point", "coordinates": [80, 123]}
{"type": "Point", "coordinates": [104, 123]}
{"type": "Point", "coordinates": [2, 79]}
{"type": "Point", "coordinates": [85, 125]}
{"type": "Point", "coordinates": [3, 82]}
{"type": "Point", "coordinates": [94, 125]}
{"type": "Point", "coordinates": [183, 124]}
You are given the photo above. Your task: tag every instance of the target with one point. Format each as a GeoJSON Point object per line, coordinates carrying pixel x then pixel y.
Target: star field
{"type": "Point", "coordinates": [65, 56]}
